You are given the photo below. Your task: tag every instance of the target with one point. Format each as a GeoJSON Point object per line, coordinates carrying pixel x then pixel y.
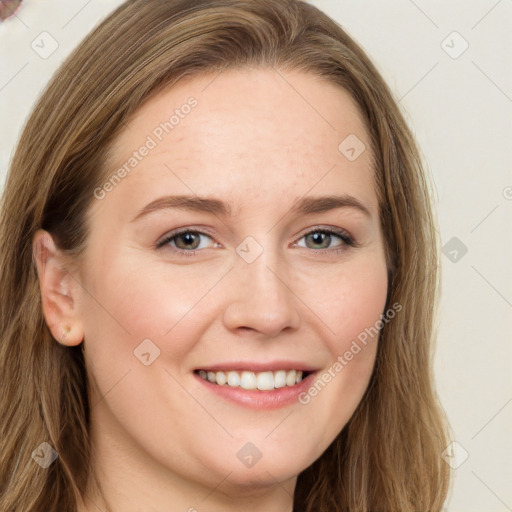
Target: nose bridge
{"type": "Point", "coordinates": [262, 299]}
{"type": "Point", "coordinates": [263, 274]}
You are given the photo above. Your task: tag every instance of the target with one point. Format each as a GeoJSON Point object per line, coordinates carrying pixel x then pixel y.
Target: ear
{"type": "Point", "coordinates": [59, 290]}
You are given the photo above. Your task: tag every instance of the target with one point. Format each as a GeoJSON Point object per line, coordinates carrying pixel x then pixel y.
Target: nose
{"type": "Point", "coordinates": [262, 299]}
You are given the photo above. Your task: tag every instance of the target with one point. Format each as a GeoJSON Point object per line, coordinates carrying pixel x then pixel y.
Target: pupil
{"type": "Point", "coordinates": [188, 239]}
{"type": "Point", "coordinates": [319, 238]}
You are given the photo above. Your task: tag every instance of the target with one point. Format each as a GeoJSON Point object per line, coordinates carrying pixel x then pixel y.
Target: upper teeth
{"type": "Point", "coordinates": [263, 381]}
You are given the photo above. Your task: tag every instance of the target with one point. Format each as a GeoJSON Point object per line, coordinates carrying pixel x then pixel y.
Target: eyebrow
{"type": "Point", "coordinates": [304, 206]}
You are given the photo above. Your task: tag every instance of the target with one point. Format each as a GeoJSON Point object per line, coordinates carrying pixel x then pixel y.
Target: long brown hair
{"type": "Point", "coordinates": [388, 457]}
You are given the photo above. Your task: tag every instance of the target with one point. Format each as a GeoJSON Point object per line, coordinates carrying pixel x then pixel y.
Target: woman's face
{"type": "Point", "coordinates": [252, 168]}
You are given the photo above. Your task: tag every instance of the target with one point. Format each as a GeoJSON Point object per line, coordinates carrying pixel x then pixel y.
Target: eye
{"type": "Point", "coordinates": [185, 240]}
{"type": "Point", "coordinates": [324, 236]}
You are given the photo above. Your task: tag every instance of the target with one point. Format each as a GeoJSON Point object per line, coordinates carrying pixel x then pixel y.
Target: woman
{"type": "Point", "coordinates": [173, 338]}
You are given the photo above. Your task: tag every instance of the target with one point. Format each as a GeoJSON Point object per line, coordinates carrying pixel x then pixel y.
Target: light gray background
{"type": "Point", "coordinates": [459, 104]}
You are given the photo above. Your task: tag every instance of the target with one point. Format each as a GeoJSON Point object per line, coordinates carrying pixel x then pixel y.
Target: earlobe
{"type": "Point", "coordinates": [59, 290]}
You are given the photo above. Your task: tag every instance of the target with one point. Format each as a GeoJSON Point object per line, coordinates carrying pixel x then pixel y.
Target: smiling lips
{"type": "Point", "coordinates": [257, 384]}
{"type": "Point", "coordinates": [263, 381]}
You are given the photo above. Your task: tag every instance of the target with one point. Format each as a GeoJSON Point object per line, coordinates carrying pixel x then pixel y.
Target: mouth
{"type": "Point", "coordinates": [257, 384]}
{"type": "Point", "coordinates": [252, 380]}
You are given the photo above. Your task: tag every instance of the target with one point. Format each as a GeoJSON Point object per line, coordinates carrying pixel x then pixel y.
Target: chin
{"type": "Point", "coordinates": [265, 473]}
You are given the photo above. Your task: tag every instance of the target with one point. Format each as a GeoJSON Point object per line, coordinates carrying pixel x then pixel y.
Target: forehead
{"type": "Point", "coordinates": [255, 132]}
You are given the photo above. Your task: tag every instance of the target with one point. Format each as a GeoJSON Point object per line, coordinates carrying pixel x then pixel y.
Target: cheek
{"type": "Point", "coordinates": [347, 298]}
{"type": "Point", "coordinates": [350, 307]}
{"type": "Point", "coordinates": [357, 306]}
{"type": "Point", "coordinates": [132, 302]}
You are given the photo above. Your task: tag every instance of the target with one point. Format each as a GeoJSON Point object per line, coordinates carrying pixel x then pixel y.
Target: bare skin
{"type": "Point", "coordinates": [162, 439]}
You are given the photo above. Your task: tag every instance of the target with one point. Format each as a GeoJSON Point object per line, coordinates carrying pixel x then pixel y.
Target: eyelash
{"type": "Point", "coordinates": [343, 235]}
